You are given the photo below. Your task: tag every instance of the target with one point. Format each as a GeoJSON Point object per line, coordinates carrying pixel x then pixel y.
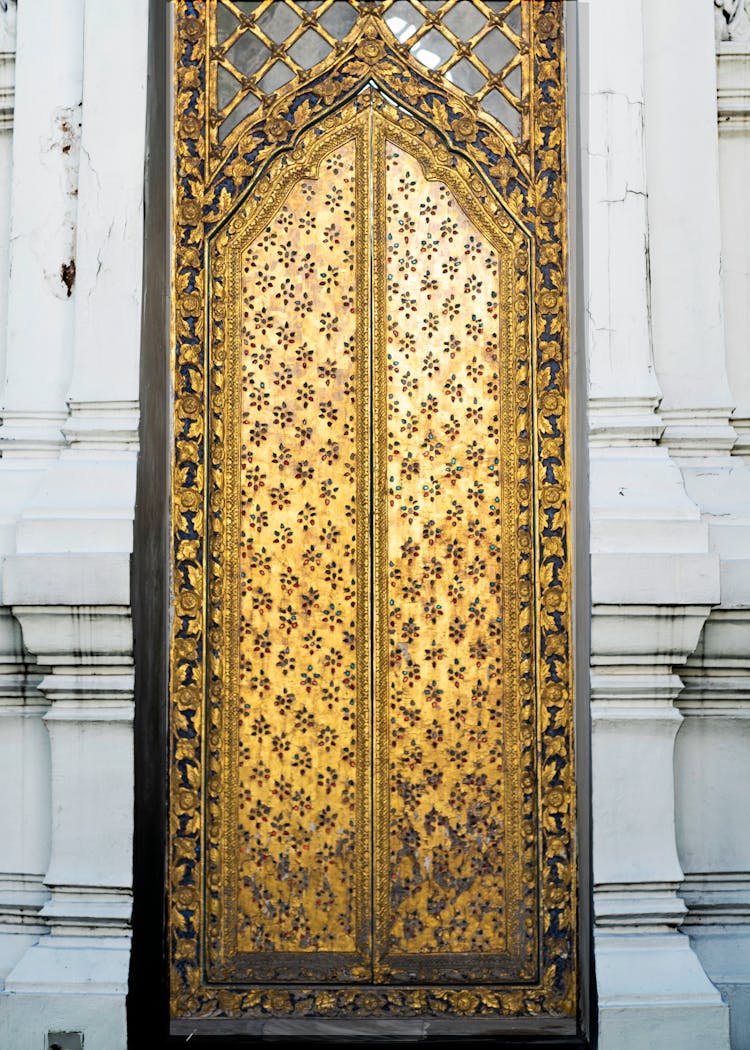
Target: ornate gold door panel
{"type": "Point", "coordinates": [371, 792]}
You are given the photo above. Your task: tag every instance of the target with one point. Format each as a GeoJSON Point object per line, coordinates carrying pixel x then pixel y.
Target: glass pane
{"type": "Point", "coordinates": [339, 19]}
{"type": "Point", "coordinates": [243, 109]}
{"type": "Point", "coordinates": [278, 22]}
{"type": "Point", "coordinates": [513, 21]}
{"type": "Point", "coordinates": [310, 49]}
{"type": "Point", "coordinates": [513, 81]}
{"type": "Point", "coordinates": [432, 50]}
{"type": "Point", "coordinates": [226, 23]}
{"type": "Point", "coordinates": [402, 20]}
{"type": "Point", "coordinates": [464, 20]}
{"type": "Point", "coordinates": [499, 107]}
{"type": "Point", "coordinates": [248, 54]}
{"type": "Point", "coordinates": [465, 76]}
{"type": "Point", "coordinates": [495, 50]}
{"type": "Point", "coordinates": [227, 85]}
{"type": "Point", "coordinates": [276, 77]}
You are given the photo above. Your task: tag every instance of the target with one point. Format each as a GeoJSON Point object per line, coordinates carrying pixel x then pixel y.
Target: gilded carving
{"type": "Point", "coordinates": [512, 195]}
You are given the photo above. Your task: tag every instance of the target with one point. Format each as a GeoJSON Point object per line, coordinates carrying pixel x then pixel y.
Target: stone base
{"type": "Point", "coordinates": [67, 984]}
{"type": "Point", "coordinates": [25, 1020]}
{"type": "Point", "coordinates": [654, 995]}
{"type": "Point", "coordinates": [724, 951]}
{"type": "Point", "coordinates": [737, 997]}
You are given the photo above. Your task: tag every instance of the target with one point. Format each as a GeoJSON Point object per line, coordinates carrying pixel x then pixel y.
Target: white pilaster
{"type": "Point", "coordinates": [103, 394]}
{"type": "Point", "coordinates": [43, 86]}
{"type": "Point", "coordinates": [46, 144]}
{"type": "Point", "coordinates": [693, 359]}
{"type": "Point", "coordinates": [75, 616]}
{"type": "Point", "coordinates": [714, 746]}
{"type": "Point", "coordinates": [623, 392]}
{"type": "Point", "coordinates": [733, 75]}
{"type": "Point", "coordinates": [68, 577]}
{"type": "Point", "coordinates": [25, 785]}
{"type": "Point", "coordinates": [684, 227]}
{"type": "Point", "coordinates": [7, 93]}
{"type": "Point", "coordinates": [653, 583]}
{"type": "Point", "coordinates": [24, 746]}
{"type": "Point", "coordinates": [632, 481]}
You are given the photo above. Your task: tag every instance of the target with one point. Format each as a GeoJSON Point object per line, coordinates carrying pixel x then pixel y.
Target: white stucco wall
{"type": "Point", "coordinates": [666, 287]}
{"type": "Point", "coordinates": [69, 375]}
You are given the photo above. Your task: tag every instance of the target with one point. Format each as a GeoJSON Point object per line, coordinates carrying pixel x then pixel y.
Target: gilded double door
{"type": "Point", "coordinates": [375, 830]}
{"type": "Point", "coordinates": [371, 769]}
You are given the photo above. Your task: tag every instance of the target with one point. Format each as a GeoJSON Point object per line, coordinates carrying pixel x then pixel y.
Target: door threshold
{"type": "Point", "coordinates": [362, 1032]}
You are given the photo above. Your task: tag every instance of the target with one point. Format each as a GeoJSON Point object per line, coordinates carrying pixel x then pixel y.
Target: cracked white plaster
{"type": "Point", "coordinates": [606, 93]}
{"type": "Point", "coordinates": [59, 152]}
{"type": "Point", "coordinates": [629, 192]}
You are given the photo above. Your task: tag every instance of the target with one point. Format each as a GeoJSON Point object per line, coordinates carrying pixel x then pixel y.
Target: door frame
{"type": "Point", "coordinates": [150, 587]}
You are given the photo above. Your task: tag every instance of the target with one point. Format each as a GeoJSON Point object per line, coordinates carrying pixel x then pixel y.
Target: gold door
{"type": "Point", "coordinates": [371, 791]}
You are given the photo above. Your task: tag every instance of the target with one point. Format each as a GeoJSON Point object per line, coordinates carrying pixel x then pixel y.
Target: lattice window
{"type": "Point", "coordinates": [263, 47]}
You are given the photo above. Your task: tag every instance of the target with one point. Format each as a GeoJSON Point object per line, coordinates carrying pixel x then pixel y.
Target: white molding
{"type": "Point", "coordinates": [7, 89]}
{"type": "Point", "coordinates": [721, 897]}
{"type": "Point", "coordinates": [103, 426]}
{"type": "Point", "coordinates": [733, 87]}
{"type": "Point", "coordinates": [647, 905]}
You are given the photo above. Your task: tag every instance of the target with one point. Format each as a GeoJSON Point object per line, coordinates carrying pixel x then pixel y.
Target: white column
{"type": "Point", "coordinates": [734, 164]}
{"type": "Point", "coordinates": [75, 617]}
{"type": "Point", "coordinates": [86, 502]}
{"type": "Point", "coordinates": [623, 391]}
{"type": "Point", "coordinates": [631, 479]}
{"type": "Point", "coordinates": [35, 358]}
{"type": "Point", "coordinates": [684, 223]}
{"type": "Point", "coordinates": [7, 92]}
{"type": "Point", "coordinates": [713, 786]}
{"type": "Point", "coordinates": [24, 744]}
{"type": "Point", "coordinates": [68, 578]}
{"type": "Point", "coordinates": [103, 394]}
{"type": "Point", "coordinates": [44, 207]}
{"type": "Point", "coordinates": [653, 579]}
{"type": "Point", "coordinates": [699, 250]}
{"type": "Point", "coordinates": [692, 364]}
{"type": "Point", "coordinates": [25, 787]}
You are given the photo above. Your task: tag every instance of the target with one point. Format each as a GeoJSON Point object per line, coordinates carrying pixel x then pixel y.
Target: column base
{"type": "Point", "coordinates": [27, 1019]}
{"type": "Point", "coordinates": [69, 965]}
{"type": "Point", "coordinates": [68, 984]}
{"type": "Point", "coordinates": [654, 995]}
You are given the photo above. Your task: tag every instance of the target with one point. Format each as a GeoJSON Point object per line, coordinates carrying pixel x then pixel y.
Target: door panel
{"type": "Point", "coordinates": [449, 869]}
{"type": "Point", "coordinates": [304, 769]}
{"type": "Point", "coordinates": [292, 819]}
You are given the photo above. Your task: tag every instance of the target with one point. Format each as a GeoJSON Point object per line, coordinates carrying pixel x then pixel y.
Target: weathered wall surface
{"type": "Point", "coordinates": [669, 521]}
{"type": "Point", "coordinates": [71, 285]}
{"type": "Point", "coordinates": [666, 289]}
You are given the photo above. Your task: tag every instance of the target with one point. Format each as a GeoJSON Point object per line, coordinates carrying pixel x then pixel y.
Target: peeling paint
{"type": "Point", "coordinates": [68, 275]}
{"type": "Point", "coordinates": [61, 148]}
